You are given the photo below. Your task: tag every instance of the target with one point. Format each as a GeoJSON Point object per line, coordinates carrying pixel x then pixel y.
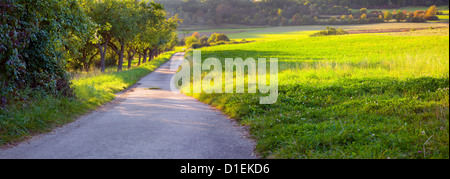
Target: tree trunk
{"type": "Point", "coordinates": [121, 52]}
{"type": "Point", "coordinates": [130, 57]}
{"type": "Point", "coordinates": [89, 61]}
{"type": "Point", "coordinates": [144, 60]}
{"type": "Point", "coordinates": [129, 61]}
{"type": "Point", "coordinates": [85, 62]}
{"type": "Point", "coordinates": [102, 48]}
{"type": "Point", "coordinates": [150, 54]}
{"type": "Point", "coordinates": [139, 62]}
{"type": "Point", "coordinates": [155, 53]}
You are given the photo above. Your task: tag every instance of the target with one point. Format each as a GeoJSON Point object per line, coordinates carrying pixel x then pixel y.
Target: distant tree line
{"type": "Point", "coordinates": [282, 12]}
{"type": "Point", "coordinates": [40, 41]}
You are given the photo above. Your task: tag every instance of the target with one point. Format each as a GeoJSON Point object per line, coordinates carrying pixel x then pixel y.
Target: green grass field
{"type": "Point", "coordinates": [287, 32]}
{"type": "Point", "coordinates": [445, 15]}
{"type": "Point", "coordinates": [42, 113]}
{"type": "Point", "coordinates": [353, 96]}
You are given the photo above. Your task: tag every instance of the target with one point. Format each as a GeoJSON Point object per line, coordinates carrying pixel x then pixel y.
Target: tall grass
{"type": "Point", "coordinates": [42, 113]}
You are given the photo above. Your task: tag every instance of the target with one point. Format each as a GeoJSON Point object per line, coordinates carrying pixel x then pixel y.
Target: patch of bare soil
{"type": "Point", "coordinates": [366, 31]}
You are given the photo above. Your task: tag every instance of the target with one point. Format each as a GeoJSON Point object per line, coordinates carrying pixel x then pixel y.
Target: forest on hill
{"type": "Point", "coordinates": [280, 12]}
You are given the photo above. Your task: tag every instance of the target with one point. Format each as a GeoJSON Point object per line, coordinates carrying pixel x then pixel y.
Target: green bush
{"type": "Point", "coordinates": [219, 43]}
{"type": "Point", "coordinates": [191, 40]}
{"type": "Point", "coordinates": [215, 37]}
{"type": "Point", "coordinates": [204, 41]}
{"type": "Point", "coordinates": [330, 31]}
{"type": "Point", "coordinates": [388, 16]}
{"type": "Point", "coordinates": [417, 16]}
{"type": "Point", "coordinates": [212, 39]}
{"type": "Point", "coordinates": [401, 16]}
{"type": "Point", "coordinates": [34, 42]}
{"type": "Point", "coordinates": [222, 37]}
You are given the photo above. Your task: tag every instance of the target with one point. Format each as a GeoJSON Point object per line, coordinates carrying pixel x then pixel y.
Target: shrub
{"type": "Point", "coordinates": [191, 40]}
{"type": "Point", "coordinates": [219, 43]}
{"type": "Point", "coordinates": [196, 35]}
{"type": "Point", "coordinates": [388, 16]}
{"type": "Point", "coordinates": [400, 16]}
{"type": "Point", "coordinates": [363, 10]}
{"type": "Point", "coordinates": [215, 37]}
{"type": "Point", "coordinates": [34, 46]}
{"type": "Point", "coordinates": [430, 14]}
{"type": "Point", "coordinates": [364, 16]}
{"type": "Point", "coordinates": [417, 16]}
{"type": "Point", "coordinates": [222, 37]}
{"type": "Point", "coordinates": [330, 31]}
{"type": "Point", "coordinates": [212, 39]}
{"type": "Point", "coordinates": [418, 13]}
{"type": "Point", "coordinates": [204, 41]}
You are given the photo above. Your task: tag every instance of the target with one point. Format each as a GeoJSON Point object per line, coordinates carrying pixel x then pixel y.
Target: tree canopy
{"type": "Point", "coordinates": [40, 41]}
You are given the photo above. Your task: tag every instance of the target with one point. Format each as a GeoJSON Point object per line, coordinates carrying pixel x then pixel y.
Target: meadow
{"type": "Point", "coordinates": [354, 96]}
{"type": "Point", "coordinates": [43, 113]}
{"type": "Point", "coordinates": [287, 32]}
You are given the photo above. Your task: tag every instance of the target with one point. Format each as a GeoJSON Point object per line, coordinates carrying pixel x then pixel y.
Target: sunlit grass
{"type": "Point", "coordinates": [351, 96]}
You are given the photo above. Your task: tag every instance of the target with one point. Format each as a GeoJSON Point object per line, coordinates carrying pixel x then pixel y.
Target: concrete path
{"type": "Point", "coordinates": [144, 124]}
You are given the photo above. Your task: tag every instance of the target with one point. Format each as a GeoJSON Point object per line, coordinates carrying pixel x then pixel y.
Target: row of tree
{"type": "Point", "coordinates": [39, 39]}
{"type": "Point", "coordinates": [386, 16]}
{"type": "Point", "coordinates": [126, 27]}
{"type": "Point", "coordinates": [416, 16]}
